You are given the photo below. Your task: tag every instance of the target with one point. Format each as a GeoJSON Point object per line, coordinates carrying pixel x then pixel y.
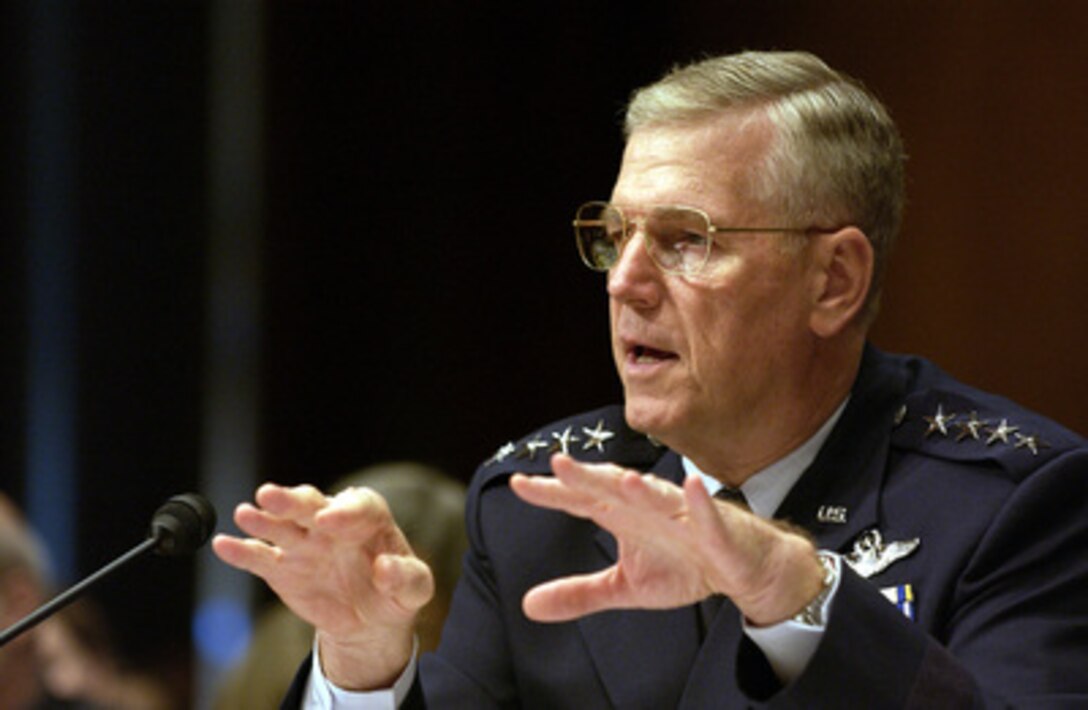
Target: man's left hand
{"type": "Point", "coordinates": [677, 545]}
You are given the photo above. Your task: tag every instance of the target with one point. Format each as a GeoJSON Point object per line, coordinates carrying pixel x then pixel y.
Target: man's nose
{"type": "Point", "coordinates": [634, 276]}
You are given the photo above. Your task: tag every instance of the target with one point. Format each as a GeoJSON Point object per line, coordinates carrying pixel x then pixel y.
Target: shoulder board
{"type": "Point", "coordinates": [963, 424]}
{"type": "Point", "coordinates": [598, 436]}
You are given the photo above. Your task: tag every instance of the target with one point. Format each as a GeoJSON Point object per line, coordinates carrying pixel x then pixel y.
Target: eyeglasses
{"type": "Point", "coordinates": [679, 239]}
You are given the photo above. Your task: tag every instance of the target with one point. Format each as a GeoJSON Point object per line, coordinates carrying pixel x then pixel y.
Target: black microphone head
{"type": "Point", "coordinates": [183, 524]}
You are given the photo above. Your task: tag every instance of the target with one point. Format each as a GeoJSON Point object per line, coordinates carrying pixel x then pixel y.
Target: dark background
{"type": "Point", "coordinates": [421, 296]}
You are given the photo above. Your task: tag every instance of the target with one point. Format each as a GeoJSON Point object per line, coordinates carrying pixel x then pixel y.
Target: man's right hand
{"type": "Point", "coordinates": [343, 565]}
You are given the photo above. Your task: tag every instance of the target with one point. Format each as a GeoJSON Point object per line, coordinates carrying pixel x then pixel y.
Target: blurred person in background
{"type": "Point", "coordinates": [79, 663]}
{"type": "Point", "coordinates": [68, 660]}
{"type": "Point", "coordinates": [23, 575]}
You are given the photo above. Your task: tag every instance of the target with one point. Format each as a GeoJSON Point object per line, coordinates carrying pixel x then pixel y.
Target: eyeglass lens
{"type": "Point", "coordinates": [677, 238]}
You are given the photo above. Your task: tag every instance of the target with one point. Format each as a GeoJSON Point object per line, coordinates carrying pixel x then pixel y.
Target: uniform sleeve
{"type": "Point", "coordinates": [1015, 633]}
{"type": "Point", "coordinates": [789, 645]}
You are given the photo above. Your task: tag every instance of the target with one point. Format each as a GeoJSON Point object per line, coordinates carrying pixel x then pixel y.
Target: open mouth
{"type": "Point", "coordinates": [645, 355]}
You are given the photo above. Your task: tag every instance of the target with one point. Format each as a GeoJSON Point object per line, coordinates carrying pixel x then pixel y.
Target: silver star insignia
{"type": "Point", "coordinates": [939, 422]}
{"type": "Point", "coordinates": [503, 451]}
{"type": "Point", "coordinates": [971, 428]}
{"type": "Point", "coordinates": [531, 447]}
{"type": "Point", "coordinates": [563, 440]}
{"type": "Point", "coordinates": [1031, 443]}
{"type": "Point", "coordinates": [1001, 433]}
{"type": "Point", "coordinates": [596, 436]}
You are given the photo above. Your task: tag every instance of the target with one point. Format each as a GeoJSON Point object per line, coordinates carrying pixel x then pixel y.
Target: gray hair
{"type": "Point", "coordinates": [837, 157]}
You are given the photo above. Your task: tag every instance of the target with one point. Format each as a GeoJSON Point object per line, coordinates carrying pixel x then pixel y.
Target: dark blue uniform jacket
{"type": "Point", "coordinates": [976, 508]}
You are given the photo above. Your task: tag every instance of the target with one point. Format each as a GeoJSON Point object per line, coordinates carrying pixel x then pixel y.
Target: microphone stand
{"type": "Point", "coordinates": [68, 596]}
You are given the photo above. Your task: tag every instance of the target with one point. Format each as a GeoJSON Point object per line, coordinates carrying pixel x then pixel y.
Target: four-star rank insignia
{"type": "Point", "coordinates": [561, 440]}
{"type": "Point", "coordinates": [970, 427]}
{"type": "Point", "coordinates": [942, 424]}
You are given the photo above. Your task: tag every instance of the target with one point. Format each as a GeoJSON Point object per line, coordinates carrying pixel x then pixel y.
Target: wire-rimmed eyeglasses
{"type": "Point", "coordinates": [679, 239]}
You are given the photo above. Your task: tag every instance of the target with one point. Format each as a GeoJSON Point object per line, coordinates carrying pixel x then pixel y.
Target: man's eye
{"type": "Point", "coordinates": [688, 240]}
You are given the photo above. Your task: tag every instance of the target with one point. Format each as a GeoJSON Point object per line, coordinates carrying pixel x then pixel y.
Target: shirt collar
{"type": "Point", "coordinates": [766, 489]}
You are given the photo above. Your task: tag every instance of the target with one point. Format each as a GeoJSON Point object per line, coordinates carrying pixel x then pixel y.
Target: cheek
{"type": "Point", "coordinates": [612, 317]}
{"type": "Point", "coordinates": [735, 333]}
{"type": "Point", "coordinates": [713, 337]}
{"type": "Point", "coordinates": [616, 347]}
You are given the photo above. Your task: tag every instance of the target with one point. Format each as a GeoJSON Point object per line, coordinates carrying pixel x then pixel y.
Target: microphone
{"type": "Point", "coordinates": [179, 527]}
{"type": "Point", "coordinates": [182, 524]}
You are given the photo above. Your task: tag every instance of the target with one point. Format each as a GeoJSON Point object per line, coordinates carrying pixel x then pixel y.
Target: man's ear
{"type": "Point", "coordinates": [844, 260]}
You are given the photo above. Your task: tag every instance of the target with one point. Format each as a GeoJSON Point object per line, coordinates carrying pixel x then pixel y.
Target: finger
{"type": "Point", "coordinates": [358, 510]}
{"type": "Point", "coordinates": [548, 492]}
{"type": "Point", "coordinates": [572, 597]}
{"type": "Point", "coordinates": [701, 506]}
{"type": "Point", "coordinates": [250, 555]}
{"type": "Point", "coordinates": [612, 487]}
{"type": "Point", "coordinates": [600, 481]}
{"type": "Point", "coordinates": [719, 525]}
{"type": "Point", "coordinates": [712, 520]}
{"type": "Point", "coordinates": [299, 503]}
{"type": "Point", "coordinates": [653, 494]}
{"type": "Point", "coordinates": [405, 579]}
{"type": "Point", "coordinates": [602, 487]}
{"type": "Point", "coordinates": [734, 546]}
{"type": "Point", "coordinates": [260, 524]}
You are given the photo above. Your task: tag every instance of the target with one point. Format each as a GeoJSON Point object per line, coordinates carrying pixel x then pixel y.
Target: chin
{"type": "Point", "coordinates": [649, 416]}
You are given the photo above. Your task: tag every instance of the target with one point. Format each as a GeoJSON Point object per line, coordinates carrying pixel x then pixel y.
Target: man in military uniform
{"type": "Point", "coordinates": [779, 513]}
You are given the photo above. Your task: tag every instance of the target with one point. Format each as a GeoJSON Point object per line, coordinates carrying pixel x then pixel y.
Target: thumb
{"type": "Point", "coordinates": [571, 597]}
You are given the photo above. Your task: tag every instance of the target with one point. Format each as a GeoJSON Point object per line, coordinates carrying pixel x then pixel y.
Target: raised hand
{"type": "Point", "coordinates": [342, 564]}
{"type": "Point", "coordinates": [677, 545]}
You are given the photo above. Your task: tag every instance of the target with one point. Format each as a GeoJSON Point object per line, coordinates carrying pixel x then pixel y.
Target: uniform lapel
{"type": "Point", "coordinates": [642, 655]}
{"type": "Point", "coordinates": [838, 497]}
{"type": "Point", "coordinates": [657, 654]}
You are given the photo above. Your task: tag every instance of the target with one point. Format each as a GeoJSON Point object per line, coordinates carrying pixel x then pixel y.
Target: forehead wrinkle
{"type": "Point", "coordinates": [707, 164]}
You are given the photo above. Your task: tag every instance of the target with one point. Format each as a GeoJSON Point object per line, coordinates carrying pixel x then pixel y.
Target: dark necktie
{"type": "Point", "coordinates": [733, 495]}
{"type": "Point", "coordinates": [709, 607]}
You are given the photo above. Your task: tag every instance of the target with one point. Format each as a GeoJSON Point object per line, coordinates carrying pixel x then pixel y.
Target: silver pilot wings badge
{"type": "Point", "coordinates": [871, 555]}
